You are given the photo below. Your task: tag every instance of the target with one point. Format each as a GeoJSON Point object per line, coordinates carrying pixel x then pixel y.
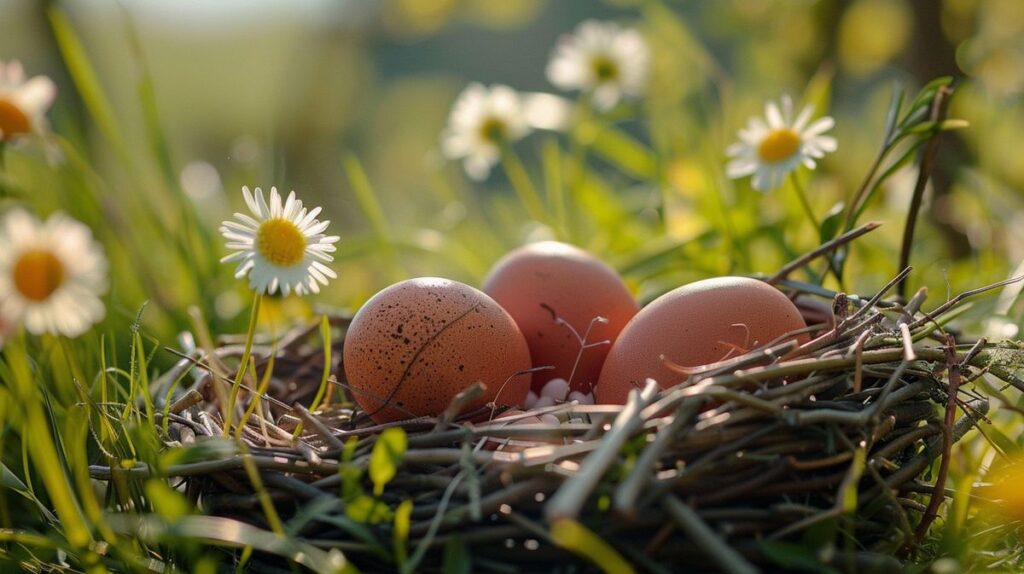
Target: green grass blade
{"type": "Point", "coordinates": [84, 76]}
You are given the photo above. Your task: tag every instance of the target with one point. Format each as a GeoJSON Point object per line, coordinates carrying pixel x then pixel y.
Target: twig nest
{"type": "Point", "coordinates": [415, 345]}
{"type": "Point", "coordinates": [692, 326]}
{"type": "Point", "coordinates": [816, 312]}
{"type": "Point", "coordinates": [514, 417]}
{"type": "Point", "coordinates": [560, 294]}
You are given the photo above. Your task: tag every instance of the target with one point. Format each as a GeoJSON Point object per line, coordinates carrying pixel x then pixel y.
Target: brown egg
{"type": "Point", "coordinates": [695, 325]}
{"type": "Point", "coordinates": [541, 281]}
{"type": "Point", "coordinates": [418, 343]}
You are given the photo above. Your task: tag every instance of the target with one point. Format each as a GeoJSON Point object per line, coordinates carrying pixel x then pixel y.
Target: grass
{"type": "Point", "coordinates": [643, 186]}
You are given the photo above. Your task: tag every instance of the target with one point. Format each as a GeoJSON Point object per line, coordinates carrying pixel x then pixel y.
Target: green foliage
{"type": "Point", "coordinates": [573, 536]}
{"type": "Point", "coordinates": [403, 517]}
{"type": "Point", "coordinates": [386, 457]}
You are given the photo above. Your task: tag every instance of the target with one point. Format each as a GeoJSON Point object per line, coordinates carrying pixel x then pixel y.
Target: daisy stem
{"type": "Point", "coordinates": [801, 194]}
{"type": "Point", "coordinates": [260, 391]}
{"type": "Point", "coordinates": [325, 383]}
{"type": "Point", "coordinates": [237, 384]}
{"type": "Point", "coordinates": [522, 184]}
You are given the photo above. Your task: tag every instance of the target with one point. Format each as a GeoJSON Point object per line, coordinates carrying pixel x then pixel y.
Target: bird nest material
{"type": "Point", "coordinates": [844, 441]}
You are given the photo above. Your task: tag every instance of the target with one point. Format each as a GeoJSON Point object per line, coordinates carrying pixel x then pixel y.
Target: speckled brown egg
{"type": "Point", "coordinates": [695, 325]}
{"type": "Point", "coordinates": [416, 344]}
{"type": "Point", "coordinates": [541, 282]}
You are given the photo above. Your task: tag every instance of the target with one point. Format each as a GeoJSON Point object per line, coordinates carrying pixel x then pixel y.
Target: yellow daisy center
{"type": "Point", "coordinates": [38, 274]}
{"type": "Point", "coordinates": [13, 121]}
{"type": "Point", "coordinates": [778, 145]}
{"type": "Point", "coordinates": [604, 68]}
{"type": "Point", "coordinates": [492, 130]}
{"type": "Point", "coordinates": [280, 242]}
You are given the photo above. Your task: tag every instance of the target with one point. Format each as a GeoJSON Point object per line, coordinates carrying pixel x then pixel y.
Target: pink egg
{"type": "Point", "coordinates": [695, 325]}
{"type": "Point", "coordinates": [542, 282]}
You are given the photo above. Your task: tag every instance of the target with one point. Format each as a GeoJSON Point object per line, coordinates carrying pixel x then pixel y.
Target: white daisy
{"type": "Point", "coordinates": [603, 59]}
{"type": "Point", "coordinates": [770, 151]}
{"type": "Point", "coordinates": [52, 274]}
{"type": "Point", "coordinates": [23, 104]}
{"type": "Point", "coordinates": [482, 121]}
{"type": "Point", "coordinates": [282, 247]}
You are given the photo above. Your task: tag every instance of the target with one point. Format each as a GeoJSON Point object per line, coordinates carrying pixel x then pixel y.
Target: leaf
{"type": "Point", "coordinates": [830, 223]}
{"type": "Point", "coordinates": [892, 114]}
{"type": "Point", "coordinates": [953, 124]}
{"type": "Point", "coordinates": [367, 510]}
{"type": "Point", "coordinates": [170, 504]}
{"type": "Point", "coordinates": [903, 160]}
{"type": "Point", "coordinates": [927, 93]}
{"type": "Point", "coordinates": [403, 519]}
{"type": "Point", "coordinates": [573, 536]}
{"type": "Point", "coordinates": [386, 457]}
{"type": "Point", "coordinates": [84, 76]}
{"type": "Point", "coordinates": [10, 481]}
{"type": "Point", "coordinates": [848, 488]}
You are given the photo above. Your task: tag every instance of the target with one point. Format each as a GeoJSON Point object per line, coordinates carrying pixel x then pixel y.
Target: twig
{"type": "Point", "coordinates": [822, 250]}
{"type": "Point", "coordinates": [628, 492]}
{"type": "Point", "coordinates": [727, 559]}
{"type": "Point", "coordinates": [935, 313]}
{"type": "Point", "coordinates": [318, 427]}
{"type": "Point", "coordinates": [940, 104]}
{"type": "Point", "coordinates": [947, 446]}
{"type": "Point", "coordinates": [569, 499]}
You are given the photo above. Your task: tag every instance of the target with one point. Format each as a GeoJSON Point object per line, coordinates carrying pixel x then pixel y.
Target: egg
{"type": "Point", "coordinates": [695, 325]}
{"type": "Point", "coordinates": [418, 343]}
{"type": "Point", "coordinates": [541, 282]}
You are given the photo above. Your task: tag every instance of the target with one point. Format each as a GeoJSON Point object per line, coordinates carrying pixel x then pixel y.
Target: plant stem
{"type": "Point", "coordinates": [522, 184]}
{"type": "Point", "coordinates": [323, 394]}
{"type": "Point", "coordinates": [801, 194]}
{"type": "Point", "coordinates": [927, 163]}
{"type": "Point", "coordinates": [824, 249]}
{"type": "Point", "coordinates": [237, 383]}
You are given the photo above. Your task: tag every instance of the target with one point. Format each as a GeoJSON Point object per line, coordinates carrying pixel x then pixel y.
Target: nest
{"type": "Point", "coordinates": [843, 442]}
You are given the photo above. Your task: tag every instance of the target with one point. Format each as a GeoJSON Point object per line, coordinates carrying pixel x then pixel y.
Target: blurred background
{"type": "Point", "coordinates": [193, 99]}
